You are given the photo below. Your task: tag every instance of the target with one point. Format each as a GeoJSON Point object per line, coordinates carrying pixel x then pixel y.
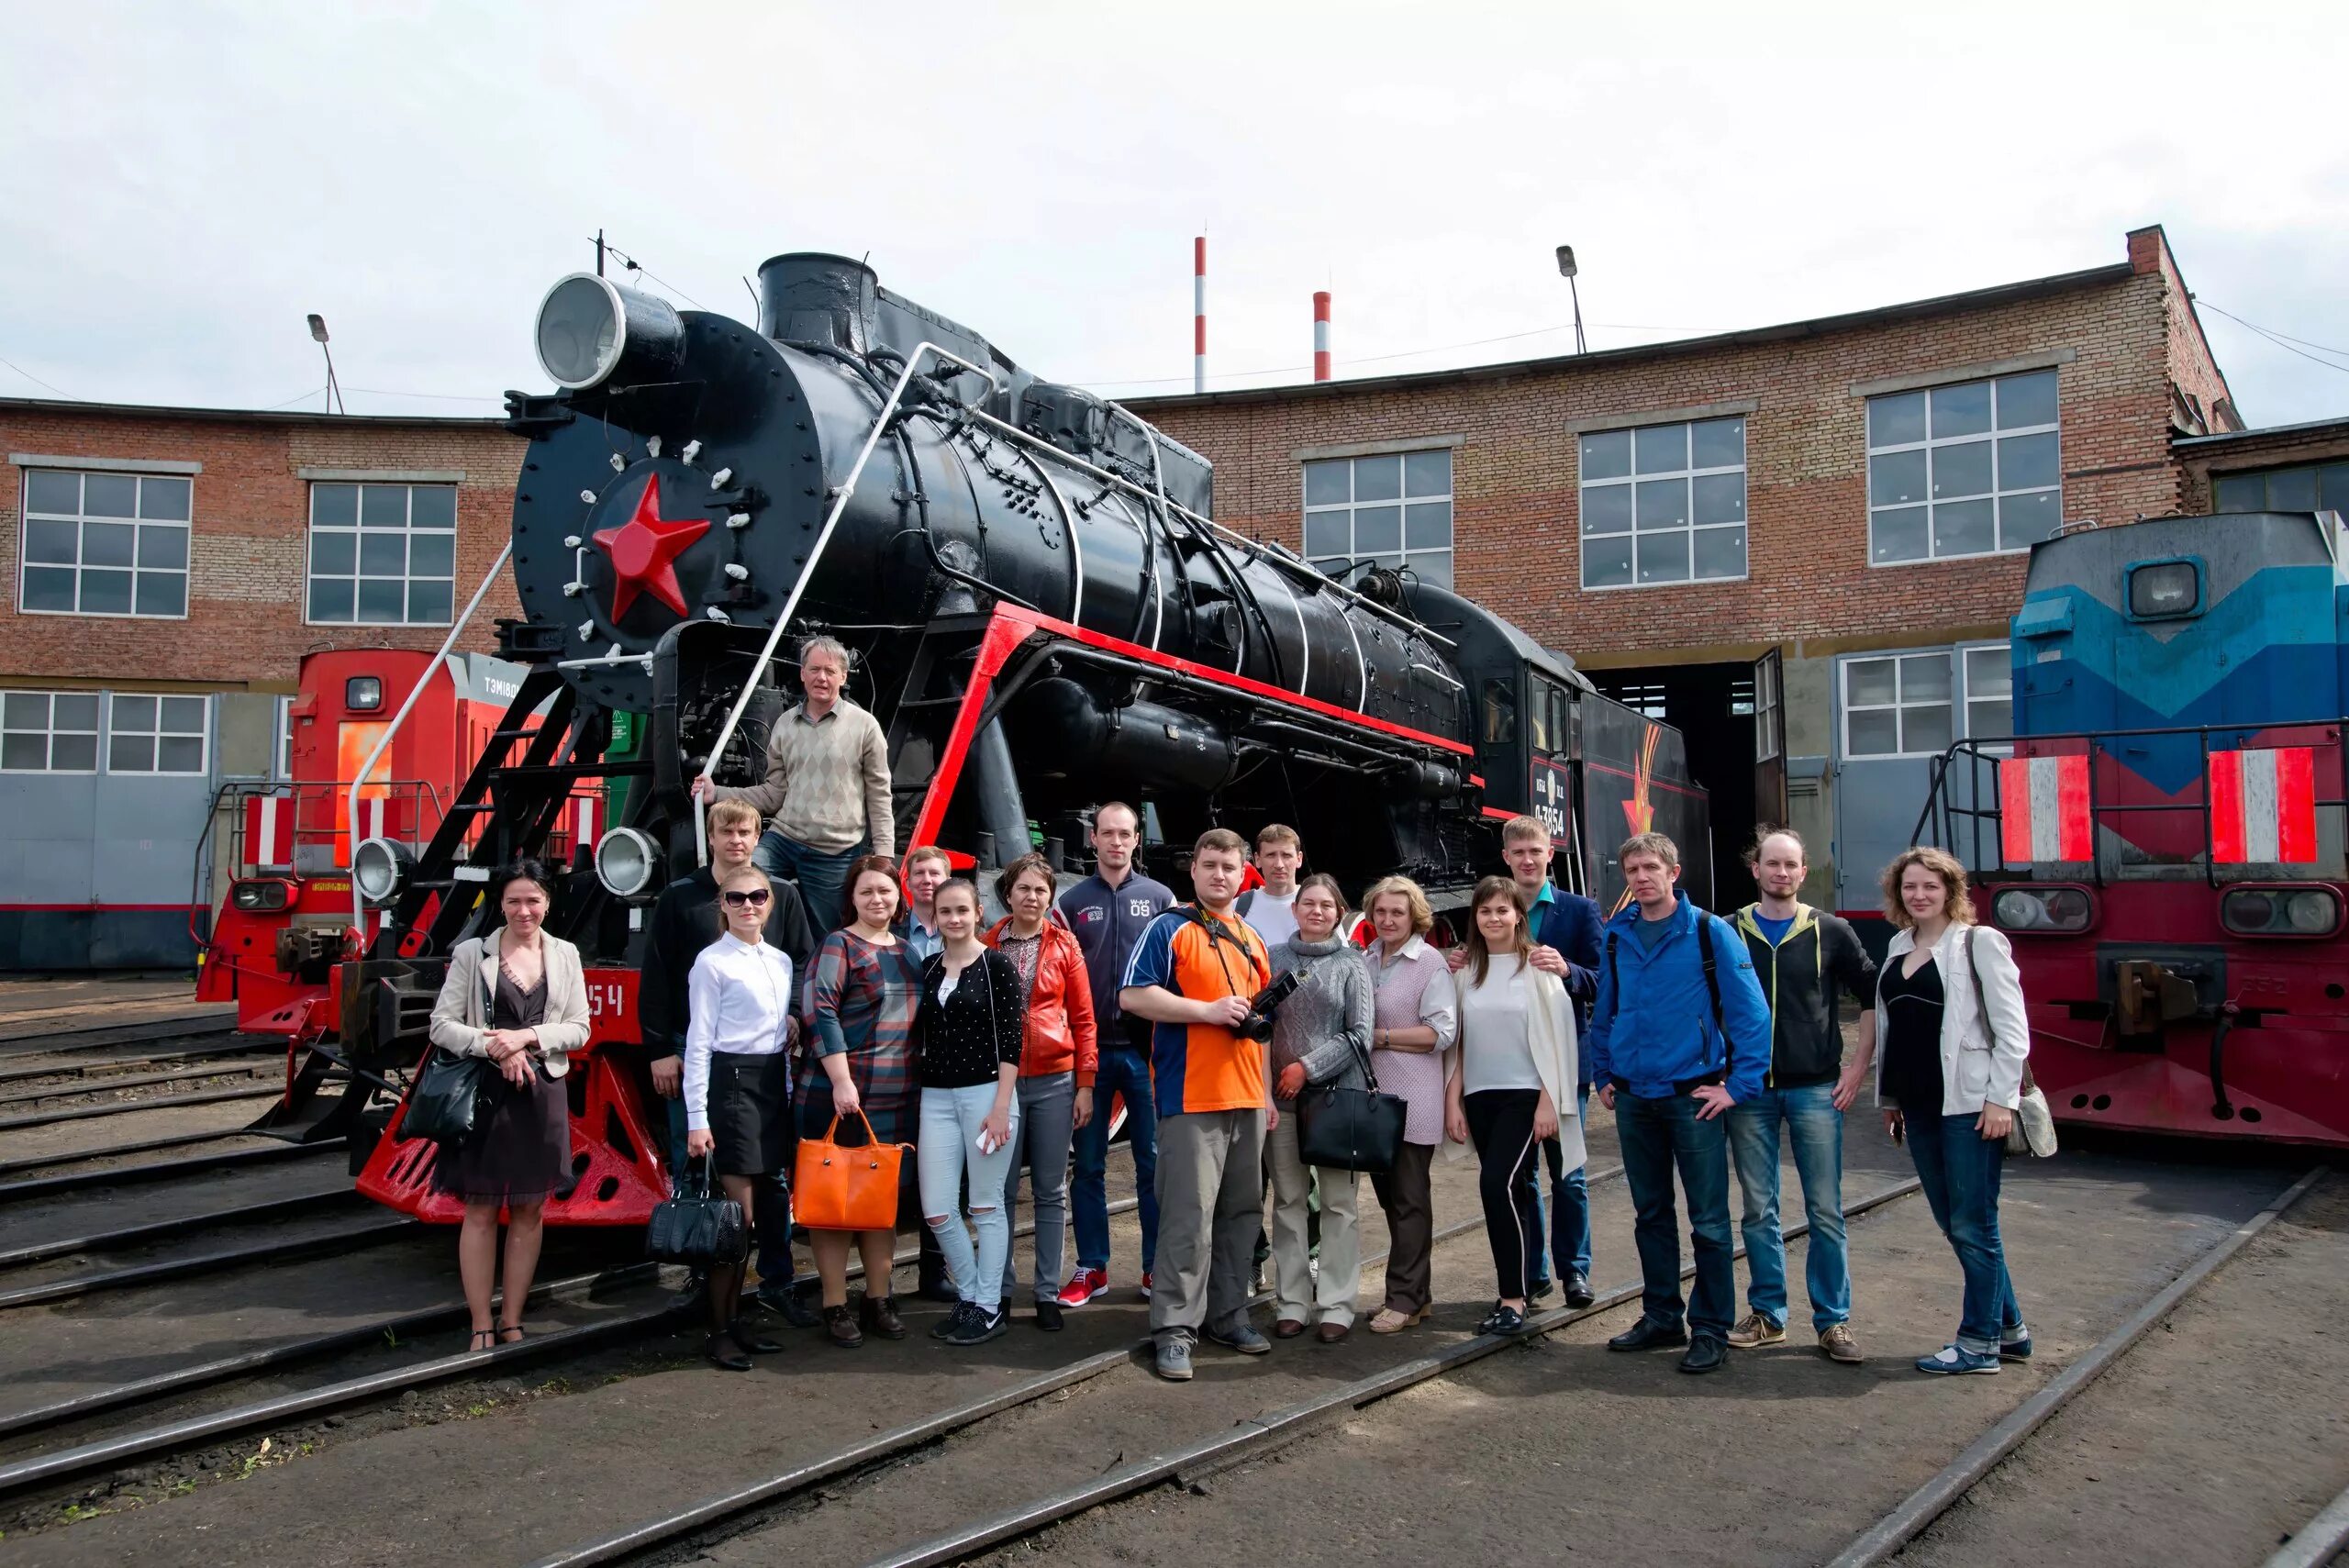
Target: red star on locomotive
{"type": "Point", "coordinates": [644, 551]}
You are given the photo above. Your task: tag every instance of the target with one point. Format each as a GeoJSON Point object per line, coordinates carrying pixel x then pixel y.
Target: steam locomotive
{"type": "Point", "coordinates": [1042, 614]}
{"type": "Point", "coordinates": [2164, 844]}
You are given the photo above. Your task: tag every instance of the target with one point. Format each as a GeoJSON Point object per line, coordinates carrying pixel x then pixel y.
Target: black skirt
{"type": "Point", "coordinates": [523, 1152]}
{"type": "Point", "coordinates": [746, 1113]}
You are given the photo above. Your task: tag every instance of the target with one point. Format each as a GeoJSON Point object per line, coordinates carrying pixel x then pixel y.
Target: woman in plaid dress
{"type": "Point", "coordinates": [862, 992]}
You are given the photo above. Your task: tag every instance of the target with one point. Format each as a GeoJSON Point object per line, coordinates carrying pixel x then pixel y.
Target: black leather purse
{"type": "Point", "coordinates": [1350, 1129]}
{"type": "Point", "coordinates": [695, 1226]}
{"type": "Point", "coordinates": [450, 1101]}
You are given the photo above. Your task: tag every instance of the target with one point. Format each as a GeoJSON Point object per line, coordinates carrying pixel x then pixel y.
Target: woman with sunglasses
{"type": "Point", "coordinates": [740, 1000]}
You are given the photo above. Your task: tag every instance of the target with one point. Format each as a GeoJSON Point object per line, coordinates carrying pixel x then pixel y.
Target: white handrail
{"type": "Point", "coordinates": [357, 903]}
{"type": "Point", "coordinates": [815, 554]}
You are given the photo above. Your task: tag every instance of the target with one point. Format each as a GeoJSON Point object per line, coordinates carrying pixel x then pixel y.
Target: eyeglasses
{"type": "Point", "coordinates": [752, 897]}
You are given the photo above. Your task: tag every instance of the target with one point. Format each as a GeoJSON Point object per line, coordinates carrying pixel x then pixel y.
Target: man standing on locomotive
{"type": "Point", "coordinates": [1109, 911]}
{"type": "Point", "coordinates": [1680, 1034]}
{"type": "Point", "coordinates": [1803, 957]}
{"type": "Point", "coordinates": [1195, 975]}
{"type": "Point", "coordinates": [827, 789]}
{"type": "Point", "coordinates": [685, 919]}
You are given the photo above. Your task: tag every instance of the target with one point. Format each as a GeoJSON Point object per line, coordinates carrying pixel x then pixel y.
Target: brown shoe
{"type": "Point", "coordinates": [1753, 1331]}
{"type": "Point", "coordinates": [1287, 1328]}
{"type": "Point", "coordinates": [879, 1313]}
{"type": "Point", "coordinates": [1836, 1340]}
{"type": "Point", "coordinates": [840, 1327]}
{"type": "Point", "coordinates": [1390, 1321]}
{"type": "Point", "coordinates": [1331, 1333]}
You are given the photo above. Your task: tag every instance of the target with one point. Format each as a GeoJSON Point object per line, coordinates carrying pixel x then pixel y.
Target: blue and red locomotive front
{"type": "Point", "coordinates": [2166, 842]}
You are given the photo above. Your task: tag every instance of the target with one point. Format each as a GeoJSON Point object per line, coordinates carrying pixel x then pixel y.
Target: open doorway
{"type": "Point", "coordinates": [1712, 706]}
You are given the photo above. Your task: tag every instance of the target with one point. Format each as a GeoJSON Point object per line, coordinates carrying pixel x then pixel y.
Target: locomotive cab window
{"type": "Point", "coordinates": [1500, 713]}
{"type": "Point", "coordinates": [2164, 590]}
{"type": "Point", "coordinates": [1547, 714]}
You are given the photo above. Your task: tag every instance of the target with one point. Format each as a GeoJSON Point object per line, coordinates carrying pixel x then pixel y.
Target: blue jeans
{"type": "Point", "coordinates": [1658, 1135]}
{"type": "Point", "coordinates": [946, 1149]}
{"type": "Point", "coordinates": [1123, 1071]}
{"type": "Point", "coordinates": [1960, 1169]}
{"type": "Point", "coordinates": [822, 877]}
{"type": "Point", "coordinates": [1569, 1201]}
{"type": "Point", "coordinates": [1816, 1130]}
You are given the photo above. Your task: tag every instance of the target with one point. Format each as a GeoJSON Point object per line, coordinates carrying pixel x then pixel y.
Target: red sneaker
{"type": "Point", "coordinates": [1084, 1285]}
{"type": "Point", "coordinates": [1145, 1287]}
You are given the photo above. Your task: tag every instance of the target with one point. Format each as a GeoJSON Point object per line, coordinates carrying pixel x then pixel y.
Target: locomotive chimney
{"type": "Point", "coordinates": [810, 297]}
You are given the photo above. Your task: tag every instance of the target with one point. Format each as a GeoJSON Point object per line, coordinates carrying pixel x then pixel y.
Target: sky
{"type": "Point", "coordinates": [184, 182]}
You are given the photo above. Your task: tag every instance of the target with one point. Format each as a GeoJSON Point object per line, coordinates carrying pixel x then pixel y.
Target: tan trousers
{"type": "Point", "coordinates": [1297, 1296]}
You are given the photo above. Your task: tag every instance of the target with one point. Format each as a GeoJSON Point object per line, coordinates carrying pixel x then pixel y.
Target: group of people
{"type": "Point", "coordinates": [807, 984]}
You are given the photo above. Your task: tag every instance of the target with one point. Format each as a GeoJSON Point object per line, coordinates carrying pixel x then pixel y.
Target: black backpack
{"type": "Point", "coordinates": [1713, 979]}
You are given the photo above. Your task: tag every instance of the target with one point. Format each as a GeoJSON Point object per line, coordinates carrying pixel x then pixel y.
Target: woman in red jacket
{"type": "Point", "coordinates": [1055, 1068]}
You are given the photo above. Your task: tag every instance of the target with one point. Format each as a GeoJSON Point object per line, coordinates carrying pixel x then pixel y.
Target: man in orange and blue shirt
{"type": "Point", "coordinates": [1194, 975]}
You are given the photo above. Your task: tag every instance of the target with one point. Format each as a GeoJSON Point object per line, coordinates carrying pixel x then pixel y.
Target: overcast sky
{"type": "Point", "coordinates": [184, 182]}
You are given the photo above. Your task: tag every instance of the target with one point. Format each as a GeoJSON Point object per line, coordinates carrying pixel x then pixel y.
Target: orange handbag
{"type": "Point", "coordinates": [837, 1186]}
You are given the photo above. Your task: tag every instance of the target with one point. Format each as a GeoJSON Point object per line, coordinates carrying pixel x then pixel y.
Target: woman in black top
{"type": "Point", "coordinates": [967, 1040]}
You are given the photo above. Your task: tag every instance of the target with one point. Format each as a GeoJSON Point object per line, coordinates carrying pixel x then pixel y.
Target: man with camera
{"type": "Point", "coordinates": [1201, 977]}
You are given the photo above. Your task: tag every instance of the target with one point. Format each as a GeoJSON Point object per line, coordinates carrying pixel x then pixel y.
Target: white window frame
{"type": "Point", "coordinates": [1768, 675]}
{"type": "Point", "coordinates": [1999, 745]}
{"type": "Point", "coordinates": [96, 732]}
{"type": "Point", "coordinates": [1405, 552]}
{"type": "Point", "coordinates": [1689, 476]}
{"type": "Point", "coordinates": [81, 518]}
{"type": "Point", "coordinates": [1932, 443]}
{"type": "Point", "coordinates": [201, 734]}
{"type": "Point", "coordinates": [1946, 653]}
{"type": "Point", "coordinates": [358, 534]}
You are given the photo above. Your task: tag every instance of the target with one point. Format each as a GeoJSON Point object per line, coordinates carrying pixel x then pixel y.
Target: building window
{"type": "Point", "coordinates": [1989, 693]}
{"type": "Point", "coordinates": [155, 735]}
{"type": "Point", "coordinates": [2307, 488]}
{"type": "Point", "coordinates": [383, 554]}
{"type": "Point", "coordinates": [48, 732]}
{"type": "Point", "coordinates": [104, 544]}
{"type": "Point", "coordinates": [1964, 470]}
{"type": "Point", "coordinates": [1664, 503]}
{"type": "Point", "coordinates": [1766, 722]}
{"type": "Point", "coordinates": [1897, 707]}
{"type": "Point", "coordinates": [1394, 510]}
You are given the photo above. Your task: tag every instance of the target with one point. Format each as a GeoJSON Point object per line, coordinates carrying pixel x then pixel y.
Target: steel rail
{"type": "Point", "coordinates": [159, 1170]}
{"type": "Point", "coordinates": [1888, 1535]}
{"type": "Point", "coordinates": [1260, 1435]}
{"type": "Point", "coordinates": [892, 1444]}
{"type": "Point", "coordinates": [251, 1046]}
{"type": "Point", "coordinates": [163, 1229]}
{"type": "Point", "coordinates": [148, 1146]}
{"type": "Point", "coordinates": [98, 1034]}
{"type": "Point", "coordinates": [89, 1086]}
{"type": "Point", "coordinates": [144, 1442]}
{"type": "Point", "coordinates": [86, 1113]}
{"type": "Point", "coordinates": [2319, 1541]}
{"type": "Point", "coordinates": [424, 1320]}
{"type": "Point", "coordinates": [367, 1233]}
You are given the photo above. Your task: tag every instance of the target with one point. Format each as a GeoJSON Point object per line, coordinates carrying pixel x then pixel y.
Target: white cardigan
{"type": "Point", "coordinates": [1981, 1058]}
{"type": "Point", "coordinates": [1550, 1033]}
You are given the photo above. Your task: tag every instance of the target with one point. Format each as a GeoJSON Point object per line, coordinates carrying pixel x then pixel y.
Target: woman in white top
{"type": "Point", "coordinates": [1510, 1084]}
{"type": "Point", "coordinates": [739, 996]}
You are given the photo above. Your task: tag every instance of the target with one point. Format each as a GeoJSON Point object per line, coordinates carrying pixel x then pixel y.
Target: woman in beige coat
{"type": "Point", "coordinates": [516, 997]}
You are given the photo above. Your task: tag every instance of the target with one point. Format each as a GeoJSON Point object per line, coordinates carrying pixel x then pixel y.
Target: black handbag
{"type": "Point", "coordinates": [695, 1226]}
{"type": "Point", "coordinates": [450, 1100]}
{"type": "Point", "coordinates": [1350, 1129]}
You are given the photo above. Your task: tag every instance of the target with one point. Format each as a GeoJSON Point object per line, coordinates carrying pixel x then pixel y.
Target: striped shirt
{"type": "Point", "coordinates": [827, 781]}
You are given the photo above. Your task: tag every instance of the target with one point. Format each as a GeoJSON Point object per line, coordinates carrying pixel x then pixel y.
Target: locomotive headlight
{"type": "Point", "coordinates": [2049, 910]}
{"type": "Point", "coordinates": [590, 328]}
{"type": "Point", "coordinates": [2280, 911]}
{"type": "Point", "coordinates": [380, 868]}
{"type": "Point", "coordinates": [626, 863]}
{"type": "Point", "coordinates": [2164, 590]}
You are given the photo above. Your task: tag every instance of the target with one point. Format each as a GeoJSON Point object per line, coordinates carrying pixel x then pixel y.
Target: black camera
{"type": "Point", "coordinates": [1258, 1024]}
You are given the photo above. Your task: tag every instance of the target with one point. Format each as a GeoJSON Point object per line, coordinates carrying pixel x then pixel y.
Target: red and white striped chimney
{"type": "Point", "coordinates": [1199, 314]}
{"type": "Point", "coordinates": [1320, 334]}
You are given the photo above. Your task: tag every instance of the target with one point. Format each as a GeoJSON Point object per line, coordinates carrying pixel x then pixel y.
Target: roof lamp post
{"type": "Point", "coordinates": [1566, 270]}
{"type": "Point", "coordinates": [319, 336]}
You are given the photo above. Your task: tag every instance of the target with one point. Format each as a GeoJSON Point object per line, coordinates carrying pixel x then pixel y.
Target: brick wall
{"type": "Point", "coordinates": [1808, 586]}
{"type": "Point", "coordinates": [250, 520]}
{"type": "Point", "coordinates": [2288, 448]}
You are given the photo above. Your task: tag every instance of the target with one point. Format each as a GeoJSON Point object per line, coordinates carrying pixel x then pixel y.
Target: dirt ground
{"type": "Point", "coordinates": [1557, 1448]}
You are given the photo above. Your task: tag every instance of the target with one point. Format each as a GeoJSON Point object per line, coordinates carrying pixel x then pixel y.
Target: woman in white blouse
{"type": "Point", "coordinates": [740, 994]}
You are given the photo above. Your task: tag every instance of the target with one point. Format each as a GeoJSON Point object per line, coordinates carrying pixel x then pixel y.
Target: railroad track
{"type": "Point", "coordinates": [98, 1036]}
{"type": "Point", "coordinates": [245, 1045]}
{"type": "Point", "coordinates": [131, 1108]}
{"type": "Point", "coordinates": [145, 1146]}
{"type": "Point", "coordinates": [156, 1170]}
{"type": "Point", "coordinates": [86, 1084]}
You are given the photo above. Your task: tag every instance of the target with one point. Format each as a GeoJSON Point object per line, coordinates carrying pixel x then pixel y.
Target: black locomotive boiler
{"type": "Point", "coordinates": [1042, 612]}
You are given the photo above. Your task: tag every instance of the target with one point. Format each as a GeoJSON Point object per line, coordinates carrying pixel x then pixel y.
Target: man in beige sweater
{"type": "Point", "coordinates": [826, 797]}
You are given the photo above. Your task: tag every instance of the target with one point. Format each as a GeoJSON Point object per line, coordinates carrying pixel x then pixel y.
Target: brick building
{"type": "Point", "coordinates": [167, 569]}
{"type": "Point", "coordinates": [1800, 544]}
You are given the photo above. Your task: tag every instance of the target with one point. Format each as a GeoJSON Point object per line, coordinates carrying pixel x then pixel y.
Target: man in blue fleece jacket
{"type": "Point", "coordinates": [1680, 1033]}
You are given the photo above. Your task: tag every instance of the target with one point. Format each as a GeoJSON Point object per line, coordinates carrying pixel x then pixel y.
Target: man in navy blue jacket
{"type": "Point", "coordinates": [1680, 1033]}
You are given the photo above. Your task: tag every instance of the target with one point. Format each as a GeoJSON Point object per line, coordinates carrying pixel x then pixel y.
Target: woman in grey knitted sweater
{"type": "Point", "coordinates": [1320, 1036]}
